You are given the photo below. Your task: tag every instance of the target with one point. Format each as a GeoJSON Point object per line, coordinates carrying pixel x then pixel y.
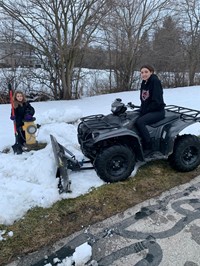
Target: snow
{"type": "Point", "coordinates": [28, 180]}
{"type": "Point", "coordinates": [81, 256]}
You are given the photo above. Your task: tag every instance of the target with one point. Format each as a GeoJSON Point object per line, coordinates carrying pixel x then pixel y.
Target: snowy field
{"type": "Point", "coordinates": [28, 180]}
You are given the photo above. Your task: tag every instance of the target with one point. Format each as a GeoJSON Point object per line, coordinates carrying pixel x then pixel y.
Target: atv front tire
{"type": "Point", "coordinates": [186, 154]}
{"type": "Point", "coordinates": [115, 163]}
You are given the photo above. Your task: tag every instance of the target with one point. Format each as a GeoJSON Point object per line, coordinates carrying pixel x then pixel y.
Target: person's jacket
{"type": "Point", "coordinates": [151, 95]}
{"type": "Point", "coordinates": [21, 111]}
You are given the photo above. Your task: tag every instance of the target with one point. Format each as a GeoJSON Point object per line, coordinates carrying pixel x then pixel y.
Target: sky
{"type": "Point", "coordinates": [28, 180]}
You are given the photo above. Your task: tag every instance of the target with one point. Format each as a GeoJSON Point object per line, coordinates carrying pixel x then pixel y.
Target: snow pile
{"type": "Point", "coordinates": [28, 180]}
{"type": "Point", "coordinates": [4, 235]}
{"type": "Point", "coordinates": [80, 257]}
{"type": "Point", "coordinates": [68, 115]}
{"type": "Point", "coordinates": [82, 254]}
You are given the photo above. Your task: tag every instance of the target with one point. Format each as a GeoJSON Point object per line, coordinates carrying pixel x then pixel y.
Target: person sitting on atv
{"type": "Point", "coordinates": [152, 104]}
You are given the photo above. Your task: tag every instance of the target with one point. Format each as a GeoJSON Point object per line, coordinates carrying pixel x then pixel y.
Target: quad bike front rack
{"type": "Point", "coordinates": [65, 161]}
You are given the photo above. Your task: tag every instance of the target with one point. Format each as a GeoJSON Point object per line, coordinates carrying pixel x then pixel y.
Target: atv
{"type": "Point", "coordinates": [113, 144]}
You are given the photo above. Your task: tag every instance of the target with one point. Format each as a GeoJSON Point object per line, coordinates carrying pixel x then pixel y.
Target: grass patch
{"type": "Point", "coordinates": [41, 227]}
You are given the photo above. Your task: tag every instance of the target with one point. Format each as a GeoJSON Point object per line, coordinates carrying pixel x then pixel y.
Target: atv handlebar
{"type": "Point", "coordinates": [132, 106]}
{"type": "Point", "coordinates": [118, 102]}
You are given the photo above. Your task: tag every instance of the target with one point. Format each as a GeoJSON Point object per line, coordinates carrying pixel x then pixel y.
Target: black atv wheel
{"type": "Point", "coordinates": [115, 163]}
{"type": "Point", "coordinates": [186, 154]}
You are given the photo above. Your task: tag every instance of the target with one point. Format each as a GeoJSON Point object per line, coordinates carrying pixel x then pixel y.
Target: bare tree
{"type": "Point", "coordinates": [58, 29]}
{"type": "Point", "coordinates": [188, 12]}
{"type": "Point", "coordinates": [125, 27]}
{"type": "Point", "coordinates": [13, 54]}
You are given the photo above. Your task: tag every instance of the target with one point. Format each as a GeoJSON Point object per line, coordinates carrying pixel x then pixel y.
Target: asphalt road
{"type": "Point", "coordinates": [162, 231]}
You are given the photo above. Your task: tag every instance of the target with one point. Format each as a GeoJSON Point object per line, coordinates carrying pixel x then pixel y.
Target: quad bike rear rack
{"type": "Point", "coordinates": [65, 161]}
{"type": "Point", "coordinates": [185, 113]}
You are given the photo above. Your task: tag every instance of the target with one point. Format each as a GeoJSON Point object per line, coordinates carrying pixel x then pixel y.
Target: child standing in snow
{"type": "Point", "coordinates": [23, 111]}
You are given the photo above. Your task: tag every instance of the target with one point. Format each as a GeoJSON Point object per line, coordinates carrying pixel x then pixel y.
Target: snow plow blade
{"type": "Point", "coordinates": [65, 160]}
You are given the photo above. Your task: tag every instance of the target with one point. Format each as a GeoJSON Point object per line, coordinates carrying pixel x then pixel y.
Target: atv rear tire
{"type": "Point", "coordinates": [186, 154]}
{"type": "Point", "coordinates": [115, 163]}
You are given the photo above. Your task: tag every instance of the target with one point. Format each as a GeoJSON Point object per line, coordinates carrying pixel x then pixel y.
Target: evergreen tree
{"type": "Point", "coordinates": [167, 50]}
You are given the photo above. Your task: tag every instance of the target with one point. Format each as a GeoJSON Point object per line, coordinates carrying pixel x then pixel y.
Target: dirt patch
{"type": "Point", "coordinates": [31, 147]}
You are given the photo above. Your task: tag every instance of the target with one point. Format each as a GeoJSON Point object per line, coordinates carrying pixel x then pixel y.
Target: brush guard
{"type": "Point", "coordinates": [65, 161]}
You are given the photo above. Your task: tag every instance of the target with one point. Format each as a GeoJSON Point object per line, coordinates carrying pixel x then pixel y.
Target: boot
{"type": "Point", "coordinates": [147, 148]}
{"type": "Point", "coordinates": [147, 145]}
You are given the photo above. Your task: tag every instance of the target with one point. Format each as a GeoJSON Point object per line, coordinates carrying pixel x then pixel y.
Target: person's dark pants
{"type": "Point", "coordinates": [21, 136]}
{"type": "Point", "coordinates": [148, 119]}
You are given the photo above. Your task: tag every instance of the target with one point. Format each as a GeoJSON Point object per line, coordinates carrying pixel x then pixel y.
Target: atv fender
{"type": "Point", "coordinates": [115, 133]}
{"type": "Point", "coordinates": [187, 117]}
{"type": "Point", "coordinates": [174, 132]}
{"type": "Point", "coordinates": [123, 136]}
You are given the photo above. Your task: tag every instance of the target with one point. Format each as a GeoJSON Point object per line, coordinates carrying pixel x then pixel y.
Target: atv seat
{"type": "Point", "coordinates": [168, 118]}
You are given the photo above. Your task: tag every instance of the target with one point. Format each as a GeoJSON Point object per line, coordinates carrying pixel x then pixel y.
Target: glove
{"type": "Point", "coordinates": [12, 117]}
{"type": "Point", "coordinates": [28, 118]}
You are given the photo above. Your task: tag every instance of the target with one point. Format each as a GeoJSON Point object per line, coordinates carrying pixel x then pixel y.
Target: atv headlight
{"type": "Point", "coordinates": [118, 108]}
{"type": "Point", "coordinates": [113, 108]}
